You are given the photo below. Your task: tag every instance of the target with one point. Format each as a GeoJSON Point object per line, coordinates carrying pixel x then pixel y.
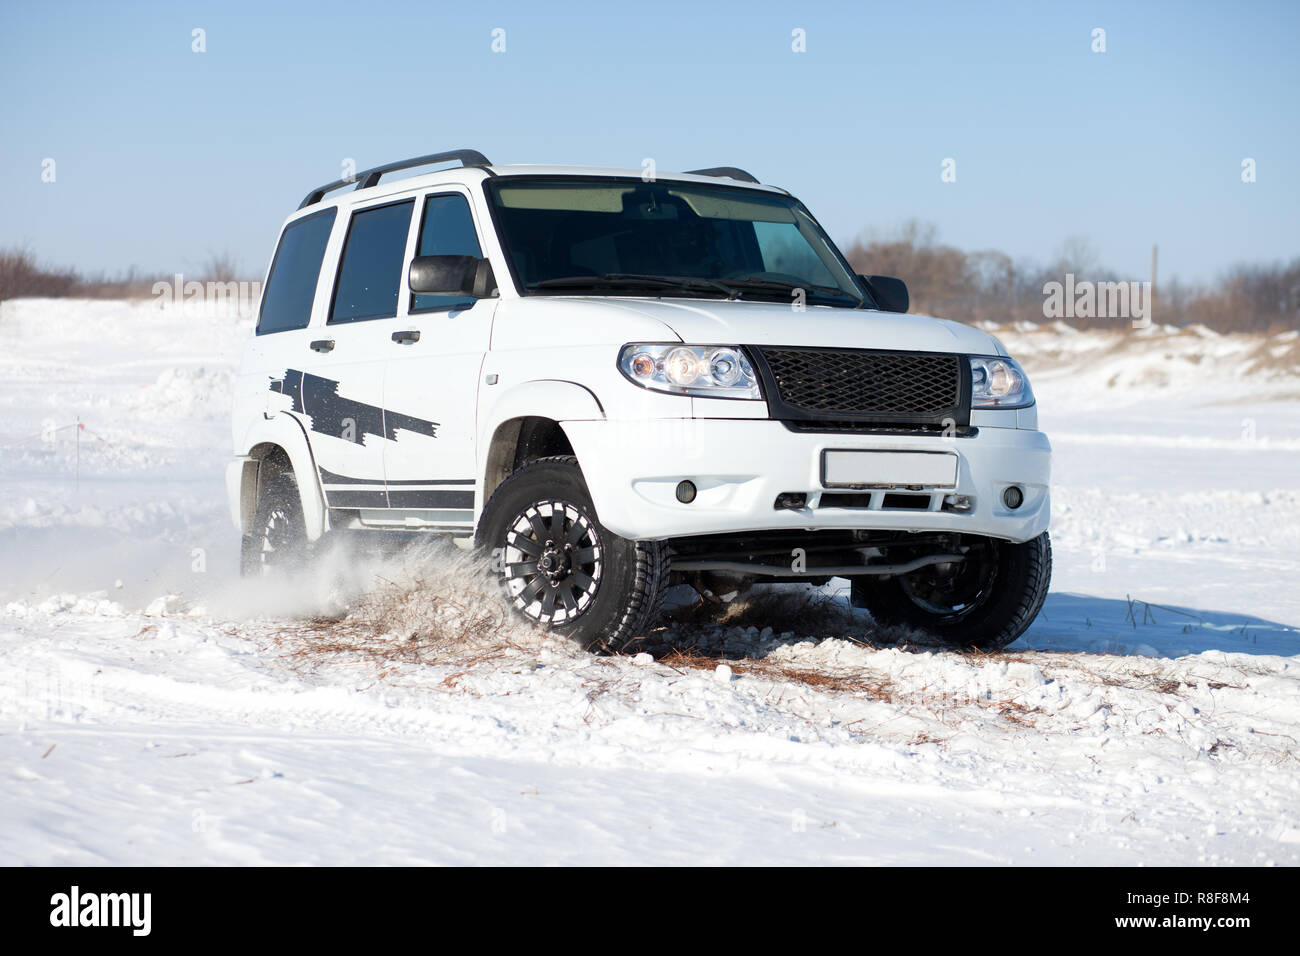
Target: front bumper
{"type": "Point", "coordinates": [740, 466]}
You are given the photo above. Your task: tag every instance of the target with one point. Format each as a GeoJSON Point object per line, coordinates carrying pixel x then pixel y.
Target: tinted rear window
{"type": "Point", "coordinates": [291, 287]}
{"type": "Point", "coordinates": [371, 270]}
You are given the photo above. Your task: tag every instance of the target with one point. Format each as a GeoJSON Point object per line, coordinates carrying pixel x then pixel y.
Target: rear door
{"type": "Point", "coordinates": [342, 385]}
{"type": "Point", "coordinates": [433, 373]}
{"type": "Point", "coordinates": [280, 350]}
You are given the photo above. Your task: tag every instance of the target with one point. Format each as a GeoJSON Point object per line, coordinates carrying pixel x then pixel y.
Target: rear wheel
{"type": "Point", "coordinates": [560, 567]}
{"type": "Point", "coordinates": [277, 542]}
{"type": "Point", "coordinates": [984, 602]}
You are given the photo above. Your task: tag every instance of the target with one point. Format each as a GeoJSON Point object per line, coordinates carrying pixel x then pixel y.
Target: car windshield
{"type": "Point", "coordinates": [628, 237]}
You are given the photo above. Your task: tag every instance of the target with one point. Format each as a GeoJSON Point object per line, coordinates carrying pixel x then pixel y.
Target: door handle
{"type": "Point", "coordinates": [323, 345]}
{"type": "Point", "coordinates": [407, 337]}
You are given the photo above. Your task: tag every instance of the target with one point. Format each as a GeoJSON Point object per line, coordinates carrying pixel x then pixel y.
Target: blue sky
{"type": "Point", "coordinates": [165, 156]}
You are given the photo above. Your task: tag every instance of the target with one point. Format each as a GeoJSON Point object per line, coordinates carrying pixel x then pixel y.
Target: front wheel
{"type": "Point", "coordinates": [560, 567]}
{"type": "Point", "coordinates": [982, 603]}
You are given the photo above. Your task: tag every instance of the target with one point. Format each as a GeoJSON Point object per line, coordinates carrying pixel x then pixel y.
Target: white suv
{"type": "Point", "coordinates": [614, 384]}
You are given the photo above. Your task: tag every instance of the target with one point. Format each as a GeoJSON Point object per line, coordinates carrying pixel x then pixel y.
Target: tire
{"type": "Point", "coordinates": [278, 542]}
{"type": "Point", "coordinates": [561, 568]}
{"type": "Point", "coordinates": [985, 605]}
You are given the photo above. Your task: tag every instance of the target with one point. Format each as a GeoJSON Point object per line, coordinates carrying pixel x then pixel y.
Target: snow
{"type": "Point", "coordinates": [156, 709]}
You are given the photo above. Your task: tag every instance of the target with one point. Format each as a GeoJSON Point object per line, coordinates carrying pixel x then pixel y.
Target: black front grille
{"type": "Point", "coordinates": [837, 385]}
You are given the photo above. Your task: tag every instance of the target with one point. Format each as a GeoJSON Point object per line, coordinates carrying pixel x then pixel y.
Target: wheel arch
{"type": "Point", "coordinates": [526, 423]}
{"type": "Point", "coordinates": [278, 442]}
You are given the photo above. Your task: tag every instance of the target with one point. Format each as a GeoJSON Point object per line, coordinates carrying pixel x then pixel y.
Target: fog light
{"type": "Point", "coordinates": [686, 492]}
{"type": "Point", "coordinates": [1013, 497]}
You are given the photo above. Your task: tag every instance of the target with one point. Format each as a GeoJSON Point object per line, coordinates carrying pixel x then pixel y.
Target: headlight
{"type": "Point", "coordinates": [709, 371]}
{"type": "Point", "coordinates": [998, 383]}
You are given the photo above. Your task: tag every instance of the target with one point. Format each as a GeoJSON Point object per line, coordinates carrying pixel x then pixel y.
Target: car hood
{"type": "Point", "coordinates": [704, 322]}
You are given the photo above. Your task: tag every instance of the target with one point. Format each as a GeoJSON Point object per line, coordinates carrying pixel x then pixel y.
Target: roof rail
{"type": "Point", "coordinates": [730, 172]}
{"type": "Point", "coordinates": [370, 177]}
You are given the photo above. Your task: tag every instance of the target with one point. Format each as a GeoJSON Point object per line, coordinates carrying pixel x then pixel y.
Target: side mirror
{"type": "Point", "coordinates": [889, 293]}
{"type": "Point", "coordinates": [452, 275]}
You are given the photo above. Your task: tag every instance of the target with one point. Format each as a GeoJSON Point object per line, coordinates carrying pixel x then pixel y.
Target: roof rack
{"type": "Point", "coordinates": [730, 172]}
{"type": "Point", "coordinates": [370, 177]}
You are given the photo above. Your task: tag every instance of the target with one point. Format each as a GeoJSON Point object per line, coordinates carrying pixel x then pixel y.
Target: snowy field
{"type": "Point", "coordinates": [156, 709]}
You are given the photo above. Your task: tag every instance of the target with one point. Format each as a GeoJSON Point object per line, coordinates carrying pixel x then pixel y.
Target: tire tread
{"type": "Point", "coordinates": [643, 603]}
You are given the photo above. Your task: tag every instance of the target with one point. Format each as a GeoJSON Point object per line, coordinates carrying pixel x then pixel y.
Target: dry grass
{"type": "Point", "coordinates": [21, 275]}
{"type": "Point", "coordinates": [870, 686]}
{"type": "Point", "coordinates": [1127, 673]}
{"type": "Point", "coordinates": [875, 687]}
{"type": "Point", "coordinates": [429, 605]}
{"type": "Point", "coordinates": [435, 607]}
{"type": "Point", "coordinates": [1014, 712]}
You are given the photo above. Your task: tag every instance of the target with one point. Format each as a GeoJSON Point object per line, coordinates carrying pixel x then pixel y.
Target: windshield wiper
{"type": "Point", "coordinates": [755, 284]}
{"type": "Point", "coordinates": [622, 280]}
{"type": "Point", "coordinates": [731, 288]}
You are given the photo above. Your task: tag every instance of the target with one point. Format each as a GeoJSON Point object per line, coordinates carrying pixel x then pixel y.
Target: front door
{"type": "Point", "coordinates": [432, 378]}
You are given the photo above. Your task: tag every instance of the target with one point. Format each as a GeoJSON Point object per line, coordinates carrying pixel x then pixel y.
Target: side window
{"type": "Point", "coordinates": [371, 268]}
{"type": "Point", "coordinates": [447, 229]}
{"type": "Point", "coordinates": [291, 286]}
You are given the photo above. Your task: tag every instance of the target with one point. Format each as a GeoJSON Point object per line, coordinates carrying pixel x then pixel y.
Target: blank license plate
{"type": "Point", "coordinates": [888, 469]}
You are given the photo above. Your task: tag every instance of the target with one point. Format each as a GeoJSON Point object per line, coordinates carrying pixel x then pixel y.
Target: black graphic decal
{"type": "Point", "coordinates": [328, 477]}
{"type": "Point", "coordinates": [349, 498]}
{"type": "Point", "coordinates": [344, 491]}
{"type": "Point", "coordinates": [331, 414]}
{"type": "Point", "coordinates": [333, 478]}
{"type": "Point", "coordinates": [455, 500]}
